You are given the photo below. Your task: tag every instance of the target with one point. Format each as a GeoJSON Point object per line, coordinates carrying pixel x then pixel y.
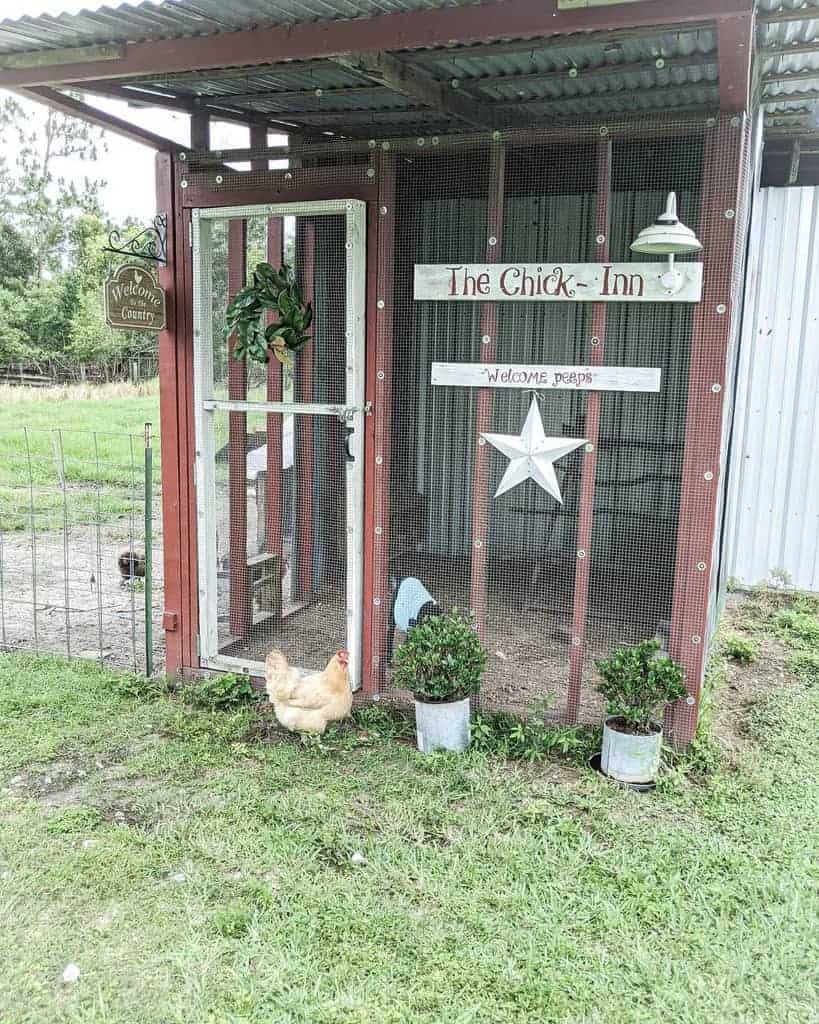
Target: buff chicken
{"type": "Point", "coordinates": [305, 704]}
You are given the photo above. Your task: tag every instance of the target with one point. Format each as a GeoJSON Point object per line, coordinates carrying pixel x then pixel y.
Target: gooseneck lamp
{"type": "Point", "coordinates": [667, 237]}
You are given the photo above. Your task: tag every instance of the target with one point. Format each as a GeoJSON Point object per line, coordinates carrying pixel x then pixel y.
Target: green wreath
{"type": "Point", "coordinates": [271, 291]}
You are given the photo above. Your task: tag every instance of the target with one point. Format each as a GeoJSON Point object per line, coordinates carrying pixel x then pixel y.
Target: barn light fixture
{"type": "Point", "coordinates": [667, 237]}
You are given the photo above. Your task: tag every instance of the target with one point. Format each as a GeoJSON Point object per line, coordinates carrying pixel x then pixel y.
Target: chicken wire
{"type": "Point", "coordinates": [73, 547]}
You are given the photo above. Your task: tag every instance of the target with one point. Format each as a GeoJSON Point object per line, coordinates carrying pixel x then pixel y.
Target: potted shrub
{"type": "Point", "coordinates": [637, 683]}
{"type": "Point", "coordinates": [441, 662]}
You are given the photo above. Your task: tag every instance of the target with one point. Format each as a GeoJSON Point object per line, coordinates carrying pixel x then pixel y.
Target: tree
{"type": "Point", "coordinates": [17, 262]}
{"type": "Point", "coordinates": [35, 197]}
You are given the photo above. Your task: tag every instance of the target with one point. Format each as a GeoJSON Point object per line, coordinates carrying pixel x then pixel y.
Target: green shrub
{"type": "Point", "coordinates": [637, 682]}
{"type": "Point", "coordinates": [223, 692]}
{"type": "Point", "coordinates": [530, 739]}
{"type": "Point", "coordinates": [442, 659]}
{"type": "Point", "coordinates": [738, 648]}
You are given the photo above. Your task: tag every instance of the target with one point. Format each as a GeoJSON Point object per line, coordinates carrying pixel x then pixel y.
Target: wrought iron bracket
{"type": "Point", "coordinates": [149, 244]}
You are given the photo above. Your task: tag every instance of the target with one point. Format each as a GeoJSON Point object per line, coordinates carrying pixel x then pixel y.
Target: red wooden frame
{"type": "Point", "coordinates": [591, 431]}
{"type": "Point", "coordinates": [378, 436]}
{"type": "Point", "coordinates": [483, 400]}
{"type": "Point", "coordinates": [715, 319]}
{"type": "Point", "coordinates": [241, 610]}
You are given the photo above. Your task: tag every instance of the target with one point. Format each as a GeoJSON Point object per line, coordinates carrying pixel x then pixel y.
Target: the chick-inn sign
{"type": "Point", "coordinates": [572, 282]}
{"type": "Point", "coordinates": [134, 300]}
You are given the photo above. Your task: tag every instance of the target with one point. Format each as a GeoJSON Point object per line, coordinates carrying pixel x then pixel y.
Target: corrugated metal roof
{"type": "Point", "coordinates": [664, 68]}
{"type": "Point", "coordinates": [128, 23]}
{"type": "Point", "coordinates": [773, 520]}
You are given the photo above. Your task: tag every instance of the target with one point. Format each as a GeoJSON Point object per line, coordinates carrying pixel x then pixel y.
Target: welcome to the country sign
{"type": "Point", "coordinates": [555, 282]}
{"type": "Point", "coordinates": [134, 301]}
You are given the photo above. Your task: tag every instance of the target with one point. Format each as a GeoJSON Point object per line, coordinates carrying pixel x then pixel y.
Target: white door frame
{"type": "Point", "coordinates": [205, 405]}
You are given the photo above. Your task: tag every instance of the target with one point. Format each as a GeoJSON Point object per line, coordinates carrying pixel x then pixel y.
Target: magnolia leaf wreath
{"type": "Point", "coordinates": [271, 291]}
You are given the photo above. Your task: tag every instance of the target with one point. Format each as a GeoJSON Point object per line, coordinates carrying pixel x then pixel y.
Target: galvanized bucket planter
{"type": "Point", "coordinates": [442, 726]}
{"type": "Point", "coordinates": [628, 757]}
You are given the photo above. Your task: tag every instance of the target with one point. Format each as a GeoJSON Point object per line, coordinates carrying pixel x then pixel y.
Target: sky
{"type": "Point", "coordinates": [127, 167]}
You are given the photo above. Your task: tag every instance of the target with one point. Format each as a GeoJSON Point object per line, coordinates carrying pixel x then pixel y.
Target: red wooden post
{"type": "Point", "coordinates": [273, 497]}
{"type": "Point", "coordinates": [170, 384]}
{"type": "Point", "coordinates": [585, 526]}
{"type": "Point", "coordinates": [483, 400]}
{"type": "Point", "coordinates": [304, 436]}
{"type": "Point", "coordinates": [715, 318]}
{"type": "Point", "coordinates": [379, 439]}
{"type": "Point", "coordinates": [189, 568]}
{"type": "Point", "coordinates": [241, 612]}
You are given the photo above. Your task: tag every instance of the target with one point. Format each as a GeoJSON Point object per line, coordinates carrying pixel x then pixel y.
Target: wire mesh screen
{"type": "Point", "coordinates": [554, 584]}
{"type": "Point", "coordinates": [280, 536]}
{"type": "Point", "coordinates": [75, 561]}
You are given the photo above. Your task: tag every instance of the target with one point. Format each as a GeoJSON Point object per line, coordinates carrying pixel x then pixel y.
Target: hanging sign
{"type": "Point", "coordinates": [517, 375]}
{"type": "Point", "coordinates": [555, 282]}
{"type": "Point", "coordinates": [134, 301]}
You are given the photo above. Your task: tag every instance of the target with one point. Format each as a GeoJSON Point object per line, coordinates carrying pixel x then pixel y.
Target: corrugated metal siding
{"type": "Point", "coordinates": [773, 521]}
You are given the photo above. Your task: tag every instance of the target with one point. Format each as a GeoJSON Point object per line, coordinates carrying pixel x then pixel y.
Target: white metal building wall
{"type": "Point", "coordinates": [772, 522]}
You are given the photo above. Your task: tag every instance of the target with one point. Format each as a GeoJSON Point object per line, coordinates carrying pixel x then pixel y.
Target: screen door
{"type": "Point", "coordinates": [279, 448]}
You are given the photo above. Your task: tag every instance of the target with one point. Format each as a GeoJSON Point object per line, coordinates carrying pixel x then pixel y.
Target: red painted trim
{"type": "Point", "coordinates": [378, 514]}
{"type": "Point", "coordinates": [241, 610]}
{"type": "Point", "coordinates": [311, 187]}
{"type": "Point", "coordinates": [723, 188]}
{"type": "Point", "coordinates": [735, 40]}
{"type": "Point", "coordinates": [304, 454]}
{"type": "Point", "coordinates": [446, 26]}
{"type": "Point", "coordinates": [483, 399]}
{"type": "Point", "coordinates": [189, 619]}
{"type": "Point", "coordinates": [169, 425]}
{"type": "Point", "coordinates": [273, 498]}
{"type": "Point", "coordinates": [585, 527]}
{"type": "Point", "coordinates": [370, 664]}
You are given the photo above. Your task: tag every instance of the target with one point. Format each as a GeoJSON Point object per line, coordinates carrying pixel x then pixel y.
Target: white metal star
{"type": "Point", "coordinates": [532, 455]}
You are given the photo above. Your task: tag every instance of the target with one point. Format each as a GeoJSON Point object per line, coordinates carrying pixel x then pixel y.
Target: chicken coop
{"type": "Point", "coordinates": [506, 397]}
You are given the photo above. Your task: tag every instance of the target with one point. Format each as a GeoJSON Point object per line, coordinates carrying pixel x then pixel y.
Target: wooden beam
{"type": "Point", "coordinates": [793, 166]}
{"type": "Point", "coordinates": [788, 49]}
{"type": "Point", "coordinates": [399, 76]}
{"type": "Point", "coordinates": [788, 77]}
{"type": "Point", "coordinates": [72, 55]}
{"type": "Point", "coordinates": [521, 113]}
{"type": "Point", "coordinates": [408, 30]}
{"type": "Point", "coordinates": [796, 14]}
{"type": "Point", "coordinates": [76, 108]}
{"type": "Point", "coordinates": [735, 37]}
{"type": "Point", "coordinates": [314, 100]}
{"type": "Point", "coordinates": [200, 130]}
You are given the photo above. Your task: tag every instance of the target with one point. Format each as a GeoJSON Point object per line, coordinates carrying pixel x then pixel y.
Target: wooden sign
{"type": "Point", "coordinates": [517, 375]}
{"type": "Point", "coordinates": [134, 301]}
{"type": "Point", "coordinates": [556, 282]}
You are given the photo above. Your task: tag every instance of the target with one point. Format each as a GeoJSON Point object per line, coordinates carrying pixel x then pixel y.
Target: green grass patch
{"type": "Point", "coordinates": [74, 461]}
{"type": "Point", "coordinates": [194, 874]}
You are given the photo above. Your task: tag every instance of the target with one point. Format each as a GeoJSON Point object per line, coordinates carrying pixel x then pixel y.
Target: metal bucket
{"type": "Point", "coordinates": [630, 758]}
{"type": "Point", "coordinates": [442, 726]}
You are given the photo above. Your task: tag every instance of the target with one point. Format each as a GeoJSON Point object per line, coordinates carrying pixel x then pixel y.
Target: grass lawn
{"type": "Point", "coordinates": [198, 868]}
{"type": "Point", "coordinates": [88, 438]}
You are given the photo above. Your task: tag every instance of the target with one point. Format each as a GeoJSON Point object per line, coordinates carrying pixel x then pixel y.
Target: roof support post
{"type": "Point", "coordinates": [735, 41]}
{"type": "Point", "coordinates": [483, 400]}
{"type": "Point", "coordinates": [591, 431]}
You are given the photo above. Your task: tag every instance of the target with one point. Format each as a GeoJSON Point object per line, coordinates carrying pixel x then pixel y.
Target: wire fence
{"type": "Point", "coordinates": [80, 565]}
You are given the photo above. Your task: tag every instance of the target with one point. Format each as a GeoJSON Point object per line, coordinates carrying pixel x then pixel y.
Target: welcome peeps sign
{"type": "Point", "coordinates": [555, 282]}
